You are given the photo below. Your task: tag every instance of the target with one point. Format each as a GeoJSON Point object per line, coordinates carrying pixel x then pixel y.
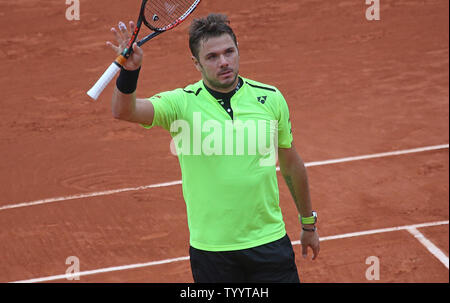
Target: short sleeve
{"type": "Point", "coordinates": [284, 124]}
{"type": "Point", "coordinates": [168, 108]}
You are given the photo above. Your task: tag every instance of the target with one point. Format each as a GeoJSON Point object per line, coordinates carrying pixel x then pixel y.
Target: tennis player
{"type": "Point", "coordinates": [237, 232]}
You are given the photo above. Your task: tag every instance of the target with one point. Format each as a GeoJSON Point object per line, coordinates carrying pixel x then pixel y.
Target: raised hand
{"type": "Point", "coordinates": [122, 36]}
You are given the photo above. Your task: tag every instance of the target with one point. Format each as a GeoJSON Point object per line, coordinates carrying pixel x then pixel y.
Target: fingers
{"type": "Point", "coordinates": [132, 26]}
{"type": "Point", "coordinates": [316, 250]}
{"type": "Point", "coordinates": [310, 240]}
{"type": "Point", "coordinates": [122, 27]}
{"type": "Point", "coordinates": [304, 250]}
{"type": "Point", "coordinates": [117, 35]}
{"type": "Point", "coordinates": [122, 36]}
{"type": "Point", "coordinates": [124, 31]}
{"type": "Point", "coordinates": [113, 47]}
{"type": "Point", "coordinates": [137, 50]}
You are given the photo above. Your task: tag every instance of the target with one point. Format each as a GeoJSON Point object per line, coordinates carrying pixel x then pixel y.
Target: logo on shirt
{"type": "Point", "coordinates": [262, 99]}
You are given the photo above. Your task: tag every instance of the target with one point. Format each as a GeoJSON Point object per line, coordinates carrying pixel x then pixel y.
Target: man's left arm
{"type": "Point", "coordinates": [294, 173]}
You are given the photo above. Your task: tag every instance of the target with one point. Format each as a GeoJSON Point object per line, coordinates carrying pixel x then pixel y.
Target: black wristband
{"type": "Point", "coordinates": [127, 81]}
{"type": "Point", "coordinates": [309, 229]}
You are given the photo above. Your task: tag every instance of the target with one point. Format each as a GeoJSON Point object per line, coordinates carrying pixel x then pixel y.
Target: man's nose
{"type": "Point", "coordinates": [223, 62]}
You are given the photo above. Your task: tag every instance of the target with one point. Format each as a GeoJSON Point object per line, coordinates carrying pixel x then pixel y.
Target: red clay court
{"type": "Point", "coordinates": [369, 103]}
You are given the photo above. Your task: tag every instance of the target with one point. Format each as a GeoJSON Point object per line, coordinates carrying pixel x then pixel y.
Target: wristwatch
{"type": "Point", "coordinates": [309, 220]}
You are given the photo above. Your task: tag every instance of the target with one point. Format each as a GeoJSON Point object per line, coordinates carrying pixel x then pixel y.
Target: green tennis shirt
{"type": "Point", "coordinates": [228, 165]}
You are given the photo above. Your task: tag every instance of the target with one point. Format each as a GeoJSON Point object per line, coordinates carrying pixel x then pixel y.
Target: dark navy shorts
{"type": "Point", "coordinates": [269, 263]}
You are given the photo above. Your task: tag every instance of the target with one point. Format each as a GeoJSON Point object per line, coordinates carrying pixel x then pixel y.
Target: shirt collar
{"type": "Point", "coordinates": [224, 96]}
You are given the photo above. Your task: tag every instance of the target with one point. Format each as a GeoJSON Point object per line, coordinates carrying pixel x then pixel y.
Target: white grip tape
{"type": "Point", "coordinates": [104, 80]}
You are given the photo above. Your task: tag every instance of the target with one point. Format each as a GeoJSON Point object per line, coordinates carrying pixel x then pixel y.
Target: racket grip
{"type": "Point", "coordinates": [104, 80]}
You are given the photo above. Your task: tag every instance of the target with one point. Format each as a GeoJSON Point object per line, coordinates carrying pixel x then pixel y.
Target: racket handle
{"type": "Point", "coordinates": [104, 80]}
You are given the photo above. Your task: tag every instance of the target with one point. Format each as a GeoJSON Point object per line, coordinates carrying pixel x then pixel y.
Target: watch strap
{"type": "Point", "coordinates": [309, 229]}
{"type": "Point", "coordinates": [308, 220]}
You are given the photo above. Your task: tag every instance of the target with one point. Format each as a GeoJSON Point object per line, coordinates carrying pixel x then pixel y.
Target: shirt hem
{"type": "Point", "coordinates": [265, 240]}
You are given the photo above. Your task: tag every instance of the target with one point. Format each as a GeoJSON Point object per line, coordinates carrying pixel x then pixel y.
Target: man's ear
{"type": "Point", "coordinates": [197, 64]}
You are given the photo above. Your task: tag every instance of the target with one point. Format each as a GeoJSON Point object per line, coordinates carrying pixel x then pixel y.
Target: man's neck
{"type": "Point", "coordinates": [223, 90]}
{"type": "Point", "coordinates": [225, 94]}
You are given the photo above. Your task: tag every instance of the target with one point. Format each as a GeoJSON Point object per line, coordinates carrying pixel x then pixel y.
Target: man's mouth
{"type": "Point", "coordinates": [226, 73]}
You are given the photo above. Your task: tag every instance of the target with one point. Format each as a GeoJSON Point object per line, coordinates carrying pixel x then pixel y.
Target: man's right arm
{"type": "Point", "coordinates": [126, 107]}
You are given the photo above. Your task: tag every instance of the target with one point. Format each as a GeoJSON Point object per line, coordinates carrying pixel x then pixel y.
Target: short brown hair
{"type": "Point", "coordinates": [214, 25]}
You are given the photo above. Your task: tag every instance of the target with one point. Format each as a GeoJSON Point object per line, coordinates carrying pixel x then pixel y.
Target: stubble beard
{"type": "Point", "coordinates": [216, 84]}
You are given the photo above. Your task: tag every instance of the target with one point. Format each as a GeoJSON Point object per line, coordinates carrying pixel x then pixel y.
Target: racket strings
{"type": "Point", "coordinates": [161, 14]}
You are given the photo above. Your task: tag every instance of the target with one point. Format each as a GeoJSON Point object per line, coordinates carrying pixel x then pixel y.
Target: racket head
{"type": "Point", "coordinates": [163, 15]}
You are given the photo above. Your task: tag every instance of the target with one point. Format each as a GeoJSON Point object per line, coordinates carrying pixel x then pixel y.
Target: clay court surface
{"type": "Point", "coordinates": [76, 182]}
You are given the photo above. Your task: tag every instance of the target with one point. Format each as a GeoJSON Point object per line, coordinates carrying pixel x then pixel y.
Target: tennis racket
{"type": "Point", "coordinates": [157, 15]}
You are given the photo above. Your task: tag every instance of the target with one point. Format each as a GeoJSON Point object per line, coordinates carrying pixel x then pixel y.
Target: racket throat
{"type": "Point", "coordinates": [120, 60]}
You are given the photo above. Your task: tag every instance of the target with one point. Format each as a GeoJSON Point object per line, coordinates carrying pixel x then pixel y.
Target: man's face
{"type": "Point", "coordinates": [218, 61]}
